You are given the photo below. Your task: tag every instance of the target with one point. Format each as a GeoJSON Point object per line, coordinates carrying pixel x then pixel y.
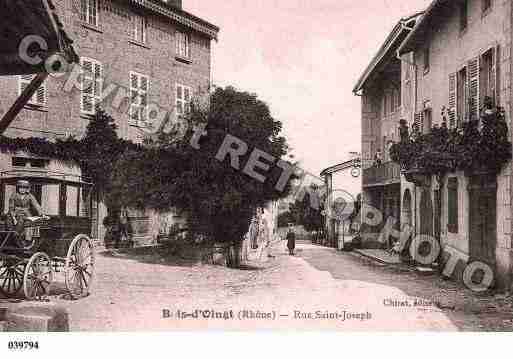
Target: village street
{"type": "Point", "coordinates": [137, 292]}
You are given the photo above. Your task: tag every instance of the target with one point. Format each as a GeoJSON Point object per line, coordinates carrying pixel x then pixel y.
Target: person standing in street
{"type": "Point", "coordinates": [291, 240]}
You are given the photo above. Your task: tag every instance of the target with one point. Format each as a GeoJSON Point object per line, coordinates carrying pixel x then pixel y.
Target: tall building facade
{"type": "Point", "coordinates": [138, 57]}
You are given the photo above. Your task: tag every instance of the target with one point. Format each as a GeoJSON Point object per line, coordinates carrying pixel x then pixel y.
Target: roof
{"type": "Point", "coordinates": [21, 18]}
{"type": "Point", "coordinates": [337, 168]}
{"type": "Point", "coordinates": [389, 47]}
{"type": "Point", "coordinates": [416, 37]}
{"type": "Point", "coordinates": [179, 15]}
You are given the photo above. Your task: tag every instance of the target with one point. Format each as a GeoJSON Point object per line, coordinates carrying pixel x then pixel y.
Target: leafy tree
{"type": "Point", "coordinates": [308, 211]}
{"type": "Point", "coordinates": [285, 218]}
{"type": "Point", "coordinates": [218, 200]}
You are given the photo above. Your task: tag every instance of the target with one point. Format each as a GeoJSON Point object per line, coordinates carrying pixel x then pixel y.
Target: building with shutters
{"type": "Point", "coordinates": [381, 91]}
{"type": "Point", "coordinates": [453, 57]}
{"type": "Point", "coordinates": [147, 51]}
{"type": "Point", "coordinates": [458, 54]}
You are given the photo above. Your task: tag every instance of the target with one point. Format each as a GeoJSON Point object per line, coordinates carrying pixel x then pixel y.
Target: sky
{"type": "Point", "coordinates": [303, 58]}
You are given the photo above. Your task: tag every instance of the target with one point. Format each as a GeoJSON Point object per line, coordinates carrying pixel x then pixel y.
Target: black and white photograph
{"type": "Point", "coordinates": [249, 166]}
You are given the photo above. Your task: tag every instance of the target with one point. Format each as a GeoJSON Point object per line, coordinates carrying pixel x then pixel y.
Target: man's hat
{"type": "Point", "coordinates": [23, 183]}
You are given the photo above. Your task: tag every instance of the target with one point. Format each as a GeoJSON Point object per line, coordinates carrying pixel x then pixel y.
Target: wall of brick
{"type": "Point", "coordinates": [110, 43]}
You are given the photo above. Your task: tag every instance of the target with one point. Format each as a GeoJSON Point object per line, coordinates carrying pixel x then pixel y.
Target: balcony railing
{"type": "Point", "coordinates": [384, 174]}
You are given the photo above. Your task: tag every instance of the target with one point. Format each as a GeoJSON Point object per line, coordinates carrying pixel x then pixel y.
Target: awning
{"type": "Point", "coordinates": [20, 19]}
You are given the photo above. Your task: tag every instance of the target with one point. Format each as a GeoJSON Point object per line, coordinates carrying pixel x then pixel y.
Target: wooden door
{"type": "Point", "coordinates": [483, 218]}
{"type": "Point", "coordinates": [426, 213]}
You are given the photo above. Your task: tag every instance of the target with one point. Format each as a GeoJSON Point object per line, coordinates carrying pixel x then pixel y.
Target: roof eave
{"type": "Point", "coordinates": [182, 17]}
{"type": "Point", "coordinates": [409, 44]}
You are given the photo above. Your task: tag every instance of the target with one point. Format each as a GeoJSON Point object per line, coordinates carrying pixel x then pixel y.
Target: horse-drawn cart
{"type": "Point", "coordinates": [59, 243]}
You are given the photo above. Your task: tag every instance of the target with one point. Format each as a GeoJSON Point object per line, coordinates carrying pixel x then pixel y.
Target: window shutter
{"type": "Point", "coordinates": [497, 72]}
{"type": "Point", "coordinates": [417, 122]}
{"type": "Point", "coordinates": [98, 85]}
{"type": "Point", "coordinates": [452, 100]}
{"type": "Point", "coordinates": [39, 97]}
{"type": "Point", "coordinates": [88, 84]}
{"type": "Point", "coordinates": [473, 89]}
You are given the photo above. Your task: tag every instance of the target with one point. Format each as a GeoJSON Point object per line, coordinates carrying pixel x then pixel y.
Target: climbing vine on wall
{"type": "Point", "coordinates": [475, 145]}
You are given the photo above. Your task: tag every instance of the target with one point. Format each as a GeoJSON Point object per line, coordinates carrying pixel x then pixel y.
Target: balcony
{"type": "Point", "coordinates": [385, 174]}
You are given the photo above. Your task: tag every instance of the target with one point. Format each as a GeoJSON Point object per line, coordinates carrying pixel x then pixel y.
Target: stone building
{"type": "Point", "coordinates": [137, 52]}
{"type": "Point", "coordinates": [446, 62]}
{"type": "Point", "coordinates": [458, 54]}
{"type": "Point", "coordinates": [382, 98]}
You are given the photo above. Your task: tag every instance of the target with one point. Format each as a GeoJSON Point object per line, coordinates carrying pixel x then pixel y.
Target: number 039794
{"type": "Point", "coordinates": [23, 345]}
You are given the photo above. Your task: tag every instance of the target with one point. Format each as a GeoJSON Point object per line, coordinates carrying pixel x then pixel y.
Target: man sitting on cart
{"type": "Point", "coordinates": [20, 205]}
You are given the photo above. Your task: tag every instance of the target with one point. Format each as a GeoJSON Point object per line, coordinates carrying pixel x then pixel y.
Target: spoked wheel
{"type": "Point", "coordinates": [38, 277]}
{"type": "Point", "coordinates": [11, 276]}
{"type": "Point", "coordinates": [79, 268]}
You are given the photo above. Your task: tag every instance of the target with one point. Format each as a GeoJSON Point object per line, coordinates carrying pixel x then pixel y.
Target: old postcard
{"type": "Point", "coordinates": [238, 165]}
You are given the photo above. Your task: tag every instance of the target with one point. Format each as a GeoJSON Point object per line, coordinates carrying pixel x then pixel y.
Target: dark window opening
{"type": "Point", "coordinates": [463, 15]}
{"type": "Point", "coordinates": [452, 220]}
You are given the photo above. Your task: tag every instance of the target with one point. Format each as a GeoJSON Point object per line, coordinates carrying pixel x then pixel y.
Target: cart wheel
{"type": "Point", "coordinates": [79, 267]}
{"type": "Point", "coordinates": [11, 276]}
{"type": "Point", "coordinates": [38, 277]}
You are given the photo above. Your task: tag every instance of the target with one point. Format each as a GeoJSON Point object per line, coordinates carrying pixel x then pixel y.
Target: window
{"type": "Point", "coordinates": [50, 198]}
{"type": "Point", "coordinates": [183, 99]}
{"type": "Point", "coordinates": [92, 83]}
{"type": "Point", "coordinates": [39, 98]}
{"type": "Point", "coordinates": [462, 96]}
{"type": "Point", "coordinates": [139, 28]}
{"type": "Point", "coordinates": [487, 4]}
{"type": "Point", "coordinates": [427, 121]}
{"type": "Point", "coordinates": [452, 190]}
{"type": "Point", "coordinates": [183, 45]}
{"type": "Point", "coordinates": [89, 11]}
{"type": "Point", "coordinates": [427, 58]}
{"type": "Point", "coordinates": [29, 162]}
{"type": "Point", "coordinates": [488, 76]}
{"type": "Point", "coordinates": [139, 86]}
{"type": "Point", "coordinates": [72, 200]}
{"type": "Point", "coordinates": [463, 15]}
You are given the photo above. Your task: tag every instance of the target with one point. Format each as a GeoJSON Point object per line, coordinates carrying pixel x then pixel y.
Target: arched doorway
{"type": "Point", "coordinates": [426, 213]}
{"type": "Point", "coordinates": [407, 218]}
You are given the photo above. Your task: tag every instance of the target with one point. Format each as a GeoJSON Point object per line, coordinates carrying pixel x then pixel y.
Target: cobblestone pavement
{"type": "Point", "coordinates": [131, 292]}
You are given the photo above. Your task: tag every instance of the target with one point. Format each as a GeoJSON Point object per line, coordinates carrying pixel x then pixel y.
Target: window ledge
{"type": "Point", "coordinates": [39, 108]}
{"type": "Point", "coordinates": [92, 27]}
{"type": "Point", "coordinates": [185, 60]}
{"type": "Point", "coordinates": [138, 43]}
{"type": "Point", "coordinates": [86, 116]}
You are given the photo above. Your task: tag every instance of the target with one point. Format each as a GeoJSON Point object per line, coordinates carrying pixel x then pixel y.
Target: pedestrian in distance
{"type": "Point", "coordinates": [291, 240]}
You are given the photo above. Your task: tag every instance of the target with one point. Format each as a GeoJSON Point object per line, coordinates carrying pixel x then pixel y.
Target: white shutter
{"type": "Point", "coordinates": [98, 85]}
{"type": "Point", "coordinates": [497, 74]}
{"type": "Point", "coordinates": [39, 97]}
{"type": "Point", "coordinates": [453, 98]}
{"type": "Point", "coordinates": [134, 98]}
{"type": "Point", "coordinates": [92, 83]}
{"type": "Point", "coordinates": [139, 87]}
{"type": "Point", "coordinates": [179, 99]}
{"type": "Point", "coordinates": [473, 89]}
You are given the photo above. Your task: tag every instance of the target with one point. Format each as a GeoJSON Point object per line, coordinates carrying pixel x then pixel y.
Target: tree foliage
{"type": "Point", "coordinates": [467, 147]}
{"type": "Point", "coordinates": [217, 199]}
{"type": "Point", "coordinates": [307, 211]}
